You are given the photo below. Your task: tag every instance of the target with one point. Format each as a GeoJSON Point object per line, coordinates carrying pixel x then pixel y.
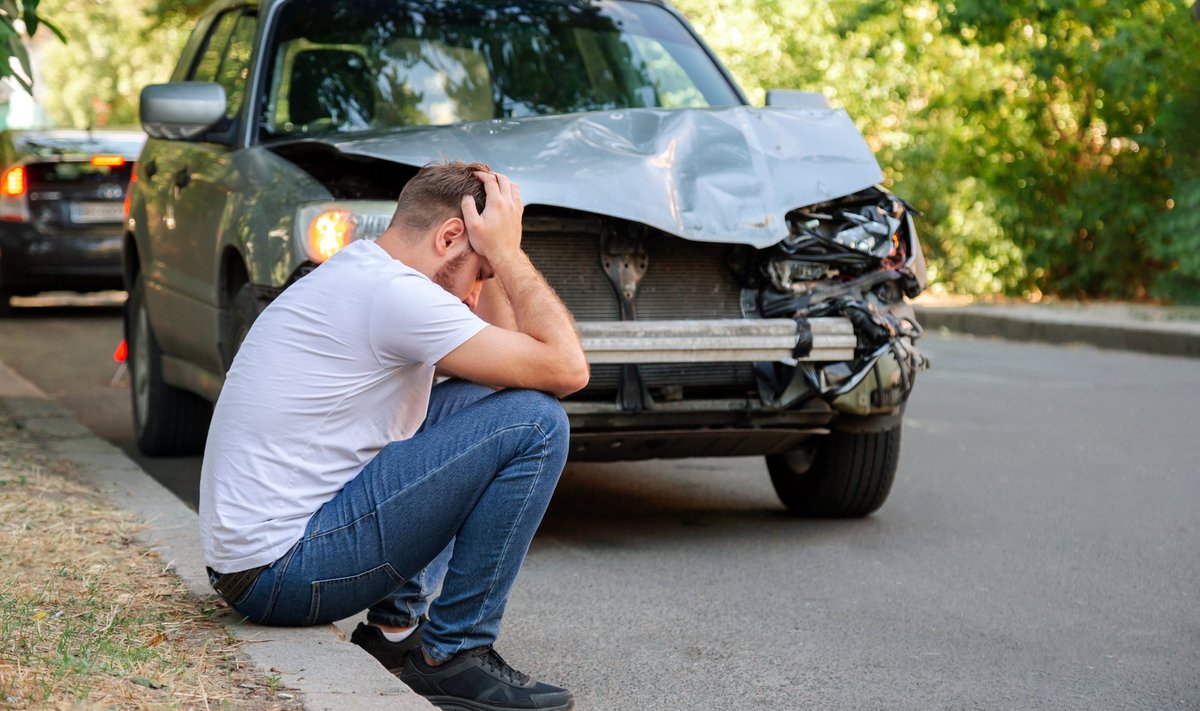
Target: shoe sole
{"type": "Point", "coordinates": [449, 703]}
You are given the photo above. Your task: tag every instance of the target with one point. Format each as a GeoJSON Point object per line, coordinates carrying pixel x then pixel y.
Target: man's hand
{"type": "Point", "coordinates": [497, 232]}
{"type": "Point", "coordinates": [533, 345]}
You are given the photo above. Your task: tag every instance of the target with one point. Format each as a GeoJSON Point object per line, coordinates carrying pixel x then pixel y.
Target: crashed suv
{"type": "Point", "coordinates": [737, 276]}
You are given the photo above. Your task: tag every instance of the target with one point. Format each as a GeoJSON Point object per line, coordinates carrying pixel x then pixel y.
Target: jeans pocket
{"type": "Point", "coordinates": [338, 598]}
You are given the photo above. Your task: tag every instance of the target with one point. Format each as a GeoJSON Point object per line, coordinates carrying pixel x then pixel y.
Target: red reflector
{"type": "Point", "coordinates": [108, 161]}
{"type": "Point", "coordinates": [122, 352]}
{"type": "Point", "coordinates": [12, 183]}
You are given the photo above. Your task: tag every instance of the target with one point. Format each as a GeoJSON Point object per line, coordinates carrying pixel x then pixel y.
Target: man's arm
{"type": "Point", "coordinates": [493, 306]}
{"type": "Point", "coordinates": [543, 351]}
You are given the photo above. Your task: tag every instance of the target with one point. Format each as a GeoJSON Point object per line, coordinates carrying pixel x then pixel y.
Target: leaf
{"type": "Point", "coordinates": [30, 15]}
{"type": "Point", "coordinates": [39, 615]}
{"type": "Point", "coordinates": [54, 29]}
{"type": "Point", "coordinates": [143, 681]}
{"type": "Point", "coordinates": [22, 54]}
{"type": "Point", "coordinates": [156, 640]}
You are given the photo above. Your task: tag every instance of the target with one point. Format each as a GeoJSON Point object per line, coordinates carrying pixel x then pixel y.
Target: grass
{"type": "Point", "coordinates": [91, 619]}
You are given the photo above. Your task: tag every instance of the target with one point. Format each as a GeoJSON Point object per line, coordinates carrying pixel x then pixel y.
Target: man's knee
{"type": "Point", "coordinates": [538, 407]}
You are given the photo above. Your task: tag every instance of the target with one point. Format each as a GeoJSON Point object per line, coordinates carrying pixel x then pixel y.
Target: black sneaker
{"type": "Point", "coordinates": [390, 654]}
{"type": "Point", "coordinates": [480, 680]}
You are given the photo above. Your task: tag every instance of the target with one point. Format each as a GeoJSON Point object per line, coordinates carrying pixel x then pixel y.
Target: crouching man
{"type": "Point", "coordinates": [337, 477]}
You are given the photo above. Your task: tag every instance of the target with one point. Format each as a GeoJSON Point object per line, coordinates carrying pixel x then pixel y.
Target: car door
{"type": "Point", "coordinates": [197, 181]}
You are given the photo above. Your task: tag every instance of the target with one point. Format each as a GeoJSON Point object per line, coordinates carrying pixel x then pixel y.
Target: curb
{"type": "Point", "coordinates": [318, 662]}
{"type": "Point", "coordinates": [1160, 338]}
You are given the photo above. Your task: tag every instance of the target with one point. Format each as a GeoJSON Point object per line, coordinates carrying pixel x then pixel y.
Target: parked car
{"type": "Point", "coordinates": [61, 209]}
{"type": "Point", "coordinates": [737, 275]}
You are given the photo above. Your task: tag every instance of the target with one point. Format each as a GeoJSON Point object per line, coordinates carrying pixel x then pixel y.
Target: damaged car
{"type": "Point", "coordinates": [737, 274]}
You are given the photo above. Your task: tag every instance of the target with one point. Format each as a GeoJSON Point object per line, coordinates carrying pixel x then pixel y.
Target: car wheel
{"type": "Point", "coordinates": [244, 308]}
{"type": "Point", "coordinates": [848, 475]}
{"type": "Point", "coordinates": [167, 421]}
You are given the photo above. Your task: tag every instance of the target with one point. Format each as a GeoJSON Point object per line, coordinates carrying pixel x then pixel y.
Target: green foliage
{"type": "Point", "coordinates": [19, 20]}
{"type": "Point", "coordinates": [1050, 143]}
{"type": "Point", "coordinates": [113, 50]}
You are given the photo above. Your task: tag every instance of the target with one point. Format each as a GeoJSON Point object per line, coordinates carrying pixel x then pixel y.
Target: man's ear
{"type": "Point", "coordinates": [452, 231]}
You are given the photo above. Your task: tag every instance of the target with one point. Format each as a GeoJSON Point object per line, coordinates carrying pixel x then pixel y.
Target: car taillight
{"type": "Point", "coordinates": [129, 191]}
{"type": "Point", "coordinates": [12, 183]}
{"type": "Point", "coordinates": [108, 161]}
{"type": "Point", "coordinates": [13, 186]}
{"type": "Point", "coordinates": [328, 232]}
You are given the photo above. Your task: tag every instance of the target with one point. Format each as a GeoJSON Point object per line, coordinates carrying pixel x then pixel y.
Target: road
{"type": "Point", "coordinates": [1041, 548]}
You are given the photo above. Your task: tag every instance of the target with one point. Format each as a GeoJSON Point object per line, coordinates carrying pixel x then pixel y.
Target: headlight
{"type": "Point", "coordinates": [324, 228]}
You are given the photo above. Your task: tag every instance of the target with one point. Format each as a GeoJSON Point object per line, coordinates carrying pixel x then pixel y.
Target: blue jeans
{"type": "Point", "coordinates": [458, 503]}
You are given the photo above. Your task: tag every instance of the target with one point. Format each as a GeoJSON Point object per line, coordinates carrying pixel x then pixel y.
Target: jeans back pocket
{"type": "Point", "coordinates": [339, 598]}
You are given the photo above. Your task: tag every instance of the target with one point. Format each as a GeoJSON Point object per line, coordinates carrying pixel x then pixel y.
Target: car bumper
{"type": "Point", "coordinates": [726, 340]}
{"type": "Point", "coordinates": [769, 422]}
{"type": "Point", "coordinates": [31, 261]}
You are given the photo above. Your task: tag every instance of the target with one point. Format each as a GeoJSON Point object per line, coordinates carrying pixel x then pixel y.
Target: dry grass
{"type": "Point", "coordinates": [91, 619]}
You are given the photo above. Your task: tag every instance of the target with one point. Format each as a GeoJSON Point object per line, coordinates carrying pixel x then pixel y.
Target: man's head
{"type": "Point", "coordinates": [428, 230]}
{"type": "Point", "coordinates": [435, 195]}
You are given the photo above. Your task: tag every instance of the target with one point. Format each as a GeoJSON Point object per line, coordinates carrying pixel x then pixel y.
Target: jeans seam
{"type": "Point", "coordinates": [278, 583]}
{"type": "Point", "coordinates": [508, 541]}
{"type": "Point", "coordinates": [454, 459]}
{"type": "Point", "coordinates": [315, 536]}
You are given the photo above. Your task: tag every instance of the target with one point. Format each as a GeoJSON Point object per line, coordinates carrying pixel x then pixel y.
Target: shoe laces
{"type": "Point", "coordinates": [492, 660]}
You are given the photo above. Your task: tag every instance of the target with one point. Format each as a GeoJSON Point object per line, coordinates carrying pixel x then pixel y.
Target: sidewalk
{"type": "Point", "coordinates": [1162, 330]}
{"type": "Point", "coordinates": [319, 662]}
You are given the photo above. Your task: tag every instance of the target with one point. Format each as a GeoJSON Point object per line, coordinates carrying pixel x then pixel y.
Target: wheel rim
{"type": "Point", "coordinates": [139, 367]}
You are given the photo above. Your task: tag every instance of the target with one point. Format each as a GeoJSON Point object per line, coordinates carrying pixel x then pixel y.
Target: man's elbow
{"type": "Point", "coordinates": [575, 377]}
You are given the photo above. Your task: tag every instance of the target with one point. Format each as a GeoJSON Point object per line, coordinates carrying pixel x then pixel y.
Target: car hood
{"type": "Point", "coordinates": [711, 175]}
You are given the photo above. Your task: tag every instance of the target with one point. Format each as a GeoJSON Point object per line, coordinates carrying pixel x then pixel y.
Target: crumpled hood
{"type": "Point", "coordinates": [711, 175]}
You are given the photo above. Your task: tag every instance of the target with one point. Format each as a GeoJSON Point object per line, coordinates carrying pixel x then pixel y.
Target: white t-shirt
{"type": "Point", "coordinates": [338, 366]}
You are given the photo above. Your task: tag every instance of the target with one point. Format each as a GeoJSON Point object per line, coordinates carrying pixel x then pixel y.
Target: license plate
{"type": "Point", "coordinates": [88, 212]}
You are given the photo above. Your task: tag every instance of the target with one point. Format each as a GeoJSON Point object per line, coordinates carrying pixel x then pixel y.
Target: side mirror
{"type": "Point", "coordinates": [792, 99]}
{"type": "Point", "coordinates": [181, 110]}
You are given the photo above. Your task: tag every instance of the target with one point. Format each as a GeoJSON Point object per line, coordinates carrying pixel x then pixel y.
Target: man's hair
{"type": "Point", "coordinates": [435, 194]}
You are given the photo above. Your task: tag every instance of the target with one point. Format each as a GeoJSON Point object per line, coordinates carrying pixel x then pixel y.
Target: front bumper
{"type": "Point", "coordinates": [725, 340]}
{"type": "Point", "coordinates": [780, 416]}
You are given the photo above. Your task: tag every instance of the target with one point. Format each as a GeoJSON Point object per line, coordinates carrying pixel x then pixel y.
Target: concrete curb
{"type": "Point", "coordinates": [328, 671]}
{"type": "Point", "coordinates": [1049, 326]}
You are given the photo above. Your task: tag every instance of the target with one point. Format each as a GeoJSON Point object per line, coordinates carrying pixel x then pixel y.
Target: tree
{"type": "Point", "coordinates": [115, 49]}
{"type": "Point", "coordinates": [19, 20]}
{"type": "Point", "coordinates": [1051, 143]}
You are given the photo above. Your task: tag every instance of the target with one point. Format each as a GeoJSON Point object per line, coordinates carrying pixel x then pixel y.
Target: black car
{"type": "Point", "coordinates": [62, 196]}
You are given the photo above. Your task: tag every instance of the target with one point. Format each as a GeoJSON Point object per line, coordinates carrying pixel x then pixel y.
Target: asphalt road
{"type": "Point", "coordinates": [1041, 548]}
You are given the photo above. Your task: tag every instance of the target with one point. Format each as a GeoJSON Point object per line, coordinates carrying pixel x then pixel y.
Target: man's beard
{"type": "Point", "coordinates": [448, 272]}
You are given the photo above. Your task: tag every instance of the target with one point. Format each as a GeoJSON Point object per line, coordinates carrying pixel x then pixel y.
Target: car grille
{"type": "Point", "coordinates": [684, 280]}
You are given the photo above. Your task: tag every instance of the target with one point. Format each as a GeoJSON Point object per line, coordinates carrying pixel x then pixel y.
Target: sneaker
{"type": "Point", "coordinates": [480, 680]}
{"type": "Point", "coordinates": [390, 654]}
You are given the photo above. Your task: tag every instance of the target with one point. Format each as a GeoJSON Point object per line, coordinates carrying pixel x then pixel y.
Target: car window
{"type": "Point", "coordinates": [235, 65]}
{"type": "Point", "coordinates": [392, 63]}
{"type": "Point", "coordinates": [226, 56]}
{"type": "Point", "coordinates": [209, 60]}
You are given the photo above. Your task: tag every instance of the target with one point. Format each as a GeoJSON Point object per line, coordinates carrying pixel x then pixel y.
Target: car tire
{"type": "Point", "coordinates": [167, 421]}
{"type": "Point", "coordinates": [849, 475]}
{"type": "Point", "coordinates": [243, 310]}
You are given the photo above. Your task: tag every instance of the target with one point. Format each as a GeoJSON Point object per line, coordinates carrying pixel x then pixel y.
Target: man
{"type": "Point", "coordinates": [338, 478]}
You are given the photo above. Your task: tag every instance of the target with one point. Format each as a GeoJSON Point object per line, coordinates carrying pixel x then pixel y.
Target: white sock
{"type": "Point", "coordinates": [398, 636]}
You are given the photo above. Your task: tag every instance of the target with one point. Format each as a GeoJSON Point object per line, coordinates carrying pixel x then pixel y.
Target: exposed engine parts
{"type": "Point", "coordinates": [854, 258]}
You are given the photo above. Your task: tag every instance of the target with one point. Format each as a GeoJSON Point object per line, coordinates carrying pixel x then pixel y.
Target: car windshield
{"type": "Point", "coordinates": [377, 64]}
